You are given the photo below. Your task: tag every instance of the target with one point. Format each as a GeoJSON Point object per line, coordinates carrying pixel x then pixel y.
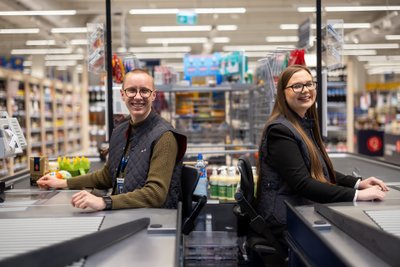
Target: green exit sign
{"type": "Point", "coordinates": [186, 18]}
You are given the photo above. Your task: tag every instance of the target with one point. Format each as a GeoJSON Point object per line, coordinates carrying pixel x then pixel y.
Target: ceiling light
{"type": "Point", "coordinates": [159, 55]}
{"type": "Point", "coordinates": [176, 40]}
{"type": "Point", "coordinates": [40, 42]}
{"type": "Point", "coordinates": [78, 42]}
{"type": "Point", "coordinates": [156, 11]}
{"type": "Point", "coordinates": [227, 27]}
{"type": "Point", "coordinates": [187, 40]}
{"type": "Point", "coordinates": [60, 63]}
{"type": "Point", "coordinates": [38, 13]}
{"type": "Point", "coordinates": [349, 8]}
{"type": "Point", "coordinates": [378, 58]}
{"type": "Point", "coordinates": [392, 37]}
{"type": "Point", "coordinates": [371, 46]}
{"type": "Point", "coordinates": [221, 40]}
{"type": "Point", "coordinates": [175, 28]}
{"type": "Point", "coordinates": [278, 39]}
{"type": "Point", "coordinates": [220, 10]}
{"type": "Point", "coordinates": [382, 70]}
{"type": "Point", "coordinates": [382, 63]}
{"type": "Point", "coordinates": [230, 48]}
{"type": "Point", "coordinates": [41, 51]}
{"type": "Point", "coordinates": [289, 26]}
{"type": "Point", "coordinates": [19, 31]}
{"type": "Point", "coordinates": [160, 49]}
{"type": "Point", "coordinates": [357, 52]}
{"type": "Point", "coordinates": [153, 11]}
{"type": "Point", "coordinates": [70, 30]}
{"type": "Point", "coordinates": [360, 8]}
{"type": "Point", "coordinates": [64, 57]}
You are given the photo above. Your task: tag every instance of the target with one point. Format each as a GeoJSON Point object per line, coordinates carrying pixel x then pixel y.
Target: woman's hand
{"type": "Point", "coordinates": [373, 181]}
{"type": "Point", "coordinates": [49, 181]}
{"type": "Point", "coordinates": [371, 193]}
{"type": "Point", "coordinates": [83, 199]}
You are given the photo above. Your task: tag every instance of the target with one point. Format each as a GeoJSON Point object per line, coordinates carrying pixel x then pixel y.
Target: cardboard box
{"type": "Point", "coordinates": [38, 168]}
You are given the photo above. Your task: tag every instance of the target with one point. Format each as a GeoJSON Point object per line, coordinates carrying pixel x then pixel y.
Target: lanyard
{"type": "Point", "coordinates": [123, 162]}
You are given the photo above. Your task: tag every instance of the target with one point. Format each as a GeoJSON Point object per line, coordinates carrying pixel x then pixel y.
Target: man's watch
{"type": "Point", "coordinates": [108, 201]}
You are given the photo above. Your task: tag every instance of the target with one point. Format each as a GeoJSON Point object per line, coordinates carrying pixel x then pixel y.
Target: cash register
{"type": "Point", "coordinates": [12, 142]}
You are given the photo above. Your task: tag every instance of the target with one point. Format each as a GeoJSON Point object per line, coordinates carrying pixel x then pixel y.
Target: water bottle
{"type": "Point", "coordinates": [202, 185]}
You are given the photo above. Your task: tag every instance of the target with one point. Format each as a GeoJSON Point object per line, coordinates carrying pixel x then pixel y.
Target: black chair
{"type": "Point", "coordinates": [191, 204]}
{"type": "Point", "coordinates": [260, 240]}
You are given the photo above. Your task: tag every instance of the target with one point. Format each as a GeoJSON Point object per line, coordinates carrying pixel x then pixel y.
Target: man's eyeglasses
{"type": "Point", "coordinates": [132, 92]}
{"type": "Point", "coordinates": [299, 87]}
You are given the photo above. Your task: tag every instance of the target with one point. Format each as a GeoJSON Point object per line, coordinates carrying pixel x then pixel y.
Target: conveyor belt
{"type": "Point", "coordinates": [18, 235]}
{"type": "Point", "coordinates": [387, 220]}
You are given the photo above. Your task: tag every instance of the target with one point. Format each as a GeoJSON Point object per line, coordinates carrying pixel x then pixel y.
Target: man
{"type": "Point", "coordinates": [145, 157]}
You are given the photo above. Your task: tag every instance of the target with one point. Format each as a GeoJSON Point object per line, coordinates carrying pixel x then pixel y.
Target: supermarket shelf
{"type": "Point", "coordinates": [218, 88]}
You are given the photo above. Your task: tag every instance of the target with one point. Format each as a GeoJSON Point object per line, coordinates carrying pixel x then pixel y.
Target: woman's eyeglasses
{"type": "Point", "coordinates": [299, 87]}
{"type": "Point", "coordinates": [132, 92]}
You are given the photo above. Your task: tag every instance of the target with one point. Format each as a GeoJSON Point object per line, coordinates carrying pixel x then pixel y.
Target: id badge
{"type": "Point", "coordinates": [120, 185]}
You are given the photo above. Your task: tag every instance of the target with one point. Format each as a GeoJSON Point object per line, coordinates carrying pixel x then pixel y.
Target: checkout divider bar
{"type": "Point", "coordinates": [65, 253]}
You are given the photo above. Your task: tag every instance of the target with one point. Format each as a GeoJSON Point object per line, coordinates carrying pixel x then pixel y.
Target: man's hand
{"type": "Point", "coordinates": [49, 181]}
{"type": "Point", "coordinates": [84, 199]}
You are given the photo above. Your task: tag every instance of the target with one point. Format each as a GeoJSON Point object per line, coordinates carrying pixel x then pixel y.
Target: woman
{"type": "Point", "coordinates": [293, 163]}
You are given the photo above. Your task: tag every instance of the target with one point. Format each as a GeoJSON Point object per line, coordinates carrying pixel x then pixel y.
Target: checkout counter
{"type": "Point", "coordinates": [365, 233]}
{"type": "Point", "coordinates": [33, 218]}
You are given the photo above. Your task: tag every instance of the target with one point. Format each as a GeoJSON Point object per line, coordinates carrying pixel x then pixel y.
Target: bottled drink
{"type": "Point", "coordinates": [202, 185]}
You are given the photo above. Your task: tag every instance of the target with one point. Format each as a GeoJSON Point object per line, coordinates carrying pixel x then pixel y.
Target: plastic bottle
{"type": "Point", "coordinates": [222, 183]}
{"type": "Point", "coordinates": [202, 185]}
{"type": "Point", "coordinates": [231, 183]}
{"type": "Point", "coordinates": [214, 180]}
{"type": "Point", "coordinates": [255, 178]}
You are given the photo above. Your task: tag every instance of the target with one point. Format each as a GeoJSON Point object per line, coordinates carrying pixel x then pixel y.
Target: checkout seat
{"type": "Point", "coordinates": [260, 244]}
{"type": "Point", "coordinates": [191, 204]}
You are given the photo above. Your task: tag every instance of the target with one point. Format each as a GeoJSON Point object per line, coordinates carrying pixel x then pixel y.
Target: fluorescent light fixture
{"type": "Point", "coordinates": [279, 39]}
{"type": "Point", "coordinates": [230, 48]}
{"type": "Point", "coordinates": [221, 40]}
{"type": "Point", "coordinates": [153, 11]}
{"type": "Point", "coordinates": [338, 26]}
{"type": "Point", "coordinates": [349, 8]}
{"type": "Point", "coordinates": [378, 58]}
{"type": "Point", "coordinates": [78, 42]}
{"type": "Point", "coordinates": [233, 10]}
{"type": "Point", "coordinates": [60, 63]}
{"type": "Point", "coordinates": [41, 51]}
{"type": "Point", "coordinates": [392, 37]}
{"type": "Point", "coordinates": [38, 13]}
{"type": "Point", "coordinates": [227, 27]}
{"type": "Point", "coordinates": [360, 8]}
{"type": "Point", "coordinates": [19, 31]}
{"type": "Point", "coordinates": [70, 30]}
{"type": "Point", "coordinates": [289, 26]}
{"type": "Point", "coordinates": [187, 40]}
{"type": "Point", "coordinates": [382, 63]}
{"type": "Point", "coordinates": [40, 42]}
{"type": "Point", "coordinates": [195, 28]}
{"type": "Point", "coordinates": [159, 55]}
{"type": "Point", "coordinates": [64, 57]}
{"type": "Point", "coordinates": [382, 70]}
{"type": "Point", "coordinates": [156, 11]}
{"type": "Point", "coordinates": [160, 49]}
{"type": "Point", "coordinates": [359, 52]}
{"type": "Point", "coordinates": [310, 9]}
{"type": "Point", "coordinates": [371, 46]}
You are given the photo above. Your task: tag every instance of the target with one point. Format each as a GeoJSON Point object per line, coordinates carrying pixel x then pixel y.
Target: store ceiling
{"type": "Point", "coordinates": [261, 19]}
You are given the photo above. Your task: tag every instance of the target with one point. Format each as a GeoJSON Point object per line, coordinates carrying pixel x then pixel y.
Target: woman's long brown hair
{"type": "Point", "coordinates": [281, 108]}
